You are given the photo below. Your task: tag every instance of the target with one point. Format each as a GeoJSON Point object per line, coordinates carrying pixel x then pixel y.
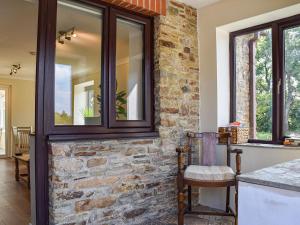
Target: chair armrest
{"type": "Point", "coordinates": [184, 149]}
{"type": "Point", "coordinates": [238, 159]}
{"type": "Point", "coordinates": [181, 158]}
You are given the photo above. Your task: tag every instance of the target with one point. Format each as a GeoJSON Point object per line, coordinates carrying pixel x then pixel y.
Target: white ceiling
{"type": "Point", "coordinates": [18, 31]}
{"type": "Point", "coordinates": [198, 3]}
{"type": "Point", "coordinates": [18, 26]}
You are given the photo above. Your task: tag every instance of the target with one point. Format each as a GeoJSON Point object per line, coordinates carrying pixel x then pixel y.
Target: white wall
{"type": "Point", "coordinates": [214, 23]}
{"type": "Point", "coordinates": [223, 81]}
{"type": "Point", "coordinates": [22, 103]}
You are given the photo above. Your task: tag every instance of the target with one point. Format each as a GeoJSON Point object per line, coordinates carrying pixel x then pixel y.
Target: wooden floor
{"type": "Point", "coordinates": [14, 196]}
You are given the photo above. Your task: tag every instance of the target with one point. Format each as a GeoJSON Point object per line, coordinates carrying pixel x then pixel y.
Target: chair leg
{"type": "Point", "coordinates": [227, 199]}
{"type": "Point", "coordinates": [17, 170]}
{"type": "Point", "coordinates": [28, 171]}
{"type": "Point", "coordinates": [189, 198]}
{"type": "Point", "coordinates": [181, 208]}
{"type": "Point", "coordinates": [236, 205]}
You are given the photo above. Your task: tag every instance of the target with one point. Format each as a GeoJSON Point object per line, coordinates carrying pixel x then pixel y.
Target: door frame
{"type": "Point", "coordinates": [8, 140]}
{"type": "Point", "coordinates": [41, 146]}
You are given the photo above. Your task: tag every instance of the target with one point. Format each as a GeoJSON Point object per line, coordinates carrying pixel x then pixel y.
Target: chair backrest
{"type": "Point", "coordinates": [192, 136]}
{"type": "Point", "coordinates": [23, 137]}
{"type": "Point", "coordinates": [14, 135]}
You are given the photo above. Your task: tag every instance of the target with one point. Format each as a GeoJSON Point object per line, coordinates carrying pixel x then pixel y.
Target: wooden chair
{"type": "Point", "coordinates": [21, 142]}
{"type": "Point", "coordinates": [15, 139]}
{"type": "Point", "coordinates": [25, 176]}
{"type": "Point", "coordinates": [21, 139]}
{"type": "Point", "coordinates": [201, 176]}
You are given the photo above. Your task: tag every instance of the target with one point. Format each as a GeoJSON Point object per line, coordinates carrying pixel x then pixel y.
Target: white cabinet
{"type": "Point", "coordinates": [263, 205]}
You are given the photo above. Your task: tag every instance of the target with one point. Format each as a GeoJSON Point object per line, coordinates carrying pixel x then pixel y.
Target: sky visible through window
{"type": "Point", "coordinates": [63, 88]}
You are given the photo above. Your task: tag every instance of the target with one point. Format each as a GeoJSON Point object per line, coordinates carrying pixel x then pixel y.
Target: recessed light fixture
{"type": "Point", "coordinates": [74, 35]}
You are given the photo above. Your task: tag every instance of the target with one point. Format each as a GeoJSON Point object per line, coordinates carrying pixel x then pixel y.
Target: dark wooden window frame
{"type": "Point", "coordinates": [110, 127]}
{"type": "Point", "coordinates": [45, 130]}
{"type": "Point", "coordinates": [147, 112]}
{"type": "Point", "coordinates": [277, 27]}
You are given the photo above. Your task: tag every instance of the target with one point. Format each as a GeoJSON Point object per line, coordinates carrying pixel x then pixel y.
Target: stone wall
{"type": "Point", "coordinates": [132, 181]}
{"type": "Point", "coordinates": [243, 79]}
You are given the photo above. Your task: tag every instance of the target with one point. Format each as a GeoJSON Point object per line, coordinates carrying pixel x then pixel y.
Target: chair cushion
{"type": "Point", "coordinates": [209, 173]}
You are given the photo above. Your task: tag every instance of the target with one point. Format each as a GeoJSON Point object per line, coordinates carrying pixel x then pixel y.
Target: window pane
{"type": "Point", "coordinates": [78, 65]}
{"type": "Point", "coordinates": [254, 83]}
{"type": "Point", "coordinates": [129, 70]}
{"type": "Point", "coordinates": [291, 123]}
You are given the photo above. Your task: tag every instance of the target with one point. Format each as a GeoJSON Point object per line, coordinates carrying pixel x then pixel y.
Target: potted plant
{"type": "Point", "coordinates": [121, 102]}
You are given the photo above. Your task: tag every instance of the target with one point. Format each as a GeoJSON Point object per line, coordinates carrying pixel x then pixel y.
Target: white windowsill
{"type": "Point", "coordinates": [258, 145]}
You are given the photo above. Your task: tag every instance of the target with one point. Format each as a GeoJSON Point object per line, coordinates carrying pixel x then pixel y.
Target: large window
{"type": "Point", "coordinates": [100, 68]}
{"type": "Point", "coordinates": [265, 79]}
{"type": "Point", "coordinates": [78, 64]}
{"type": "Point", "coordinates": [291, 68]}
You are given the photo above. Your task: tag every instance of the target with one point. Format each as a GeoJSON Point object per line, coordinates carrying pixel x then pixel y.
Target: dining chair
{"type": "Point", "coordinates": [21, 137]}
{"type": "Point", "coordinates": [14, 139]}
{"type": "Point", "coordinates": [205, 176]}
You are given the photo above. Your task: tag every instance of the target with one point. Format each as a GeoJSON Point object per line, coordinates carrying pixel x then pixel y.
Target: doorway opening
{"type": "Point", "coordinates": [18, 50]}
{"type": "Point", "coordinates": [4, 121]}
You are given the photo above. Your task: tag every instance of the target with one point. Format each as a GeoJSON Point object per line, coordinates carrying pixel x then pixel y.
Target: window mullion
{"type": "Point", "coordinates": [105, 66]}
{"type": "Point", "coordinates": [112, 68]}
{"type": "Point", "coordinates": [277, 101]}
{"type": "Point", "coordinates": [282, 80]}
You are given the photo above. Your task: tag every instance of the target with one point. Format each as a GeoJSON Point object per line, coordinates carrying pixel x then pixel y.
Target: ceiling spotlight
{"type": "Point", "coordinates": [67, 35]}
{"type": "Point", "coordinates": [68, 38]}
{"type": "Point", "coordinates": [74, 35]}
{"type": "Point", "coordinates": [61, 42]}
{"type": "Point", "coordinates": [14, 69]}
{"type": "Point", "coordinates": [60, 37]}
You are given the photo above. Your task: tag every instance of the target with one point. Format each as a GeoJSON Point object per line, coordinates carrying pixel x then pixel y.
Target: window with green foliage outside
{"type": "Point", "coordinates": [291, 119]}
{"type": "Point", "coordinates": [267, 92]}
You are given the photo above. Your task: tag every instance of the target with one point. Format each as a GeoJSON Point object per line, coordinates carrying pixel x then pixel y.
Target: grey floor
{"type": "Point", "coordinates": [194, 220]}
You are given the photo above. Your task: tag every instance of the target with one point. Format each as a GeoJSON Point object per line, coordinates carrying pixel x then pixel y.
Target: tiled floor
{"type": "Point", "coordinates": [194, 220]}
{"type": "Point", "coordinates": [14, 196]}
